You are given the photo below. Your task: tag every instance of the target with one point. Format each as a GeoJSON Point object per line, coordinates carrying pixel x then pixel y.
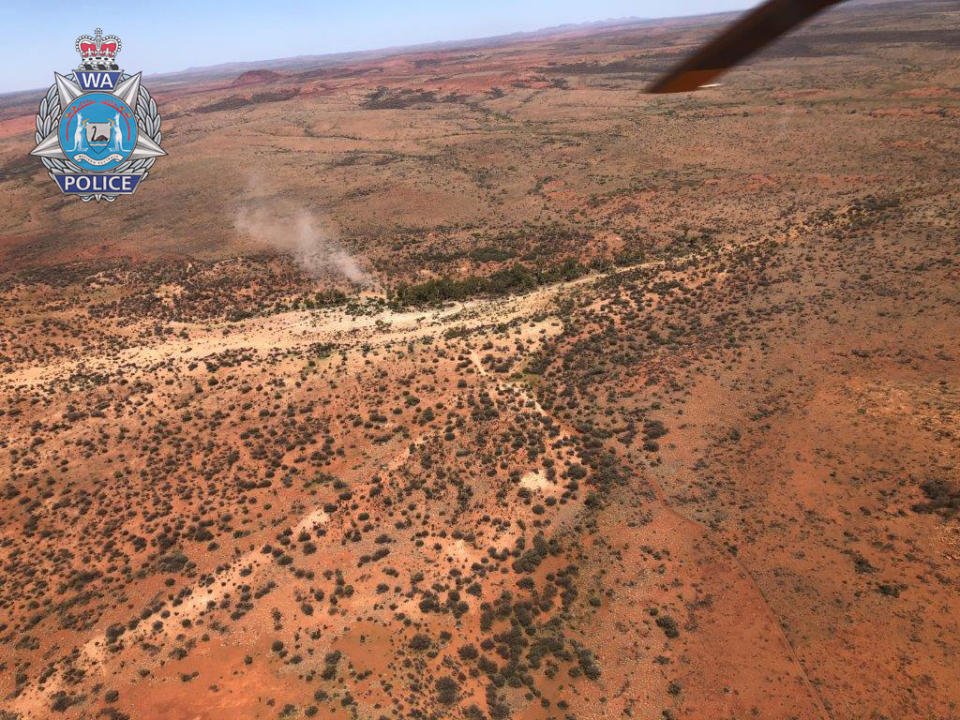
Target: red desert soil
{"type": "Point", "coordinates": [476, 383]}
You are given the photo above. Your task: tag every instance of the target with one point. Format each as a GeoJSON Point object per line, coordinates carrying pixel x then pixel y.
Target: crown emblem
{"type": "Point", "coordinates": [98, 52]}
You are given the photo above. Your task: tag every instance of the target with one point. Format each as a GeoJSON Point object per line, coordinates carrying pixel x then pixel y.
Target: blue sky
{"type": "Point", "coordinates": [176, 34]}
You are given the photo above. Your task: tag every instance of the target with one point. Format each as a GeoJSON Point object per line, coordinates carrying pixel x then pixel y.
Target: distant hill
{"type": "Point", "coordinates": [254, 77]}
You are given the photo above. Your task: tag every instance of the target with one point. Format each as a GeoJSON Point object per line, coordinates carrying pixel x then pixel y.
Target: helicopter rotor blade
{"type": "Point", "coordinates": [755, 30]}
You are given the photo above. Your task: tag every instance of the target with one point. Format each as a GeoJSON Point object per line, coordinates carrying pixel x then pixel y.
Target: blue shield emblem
{"type": "Point", "coordinates": [98, 131]}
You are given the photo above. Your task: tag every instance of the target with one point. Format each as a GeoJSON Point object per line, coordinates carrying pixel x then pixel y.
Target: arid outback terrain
{"type": "Point", "coordinates": [473, 382]}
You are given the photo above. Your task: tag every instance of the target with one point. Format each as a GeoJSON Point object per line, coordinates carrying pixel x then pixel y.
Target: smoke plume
{"type": "Point", "coordinates": [298, 233]}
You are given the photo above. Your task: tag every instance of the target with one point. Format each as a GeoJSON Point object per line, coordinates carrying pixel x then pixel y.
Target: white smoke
{"type": "Point", "coordinates": [298, 233]}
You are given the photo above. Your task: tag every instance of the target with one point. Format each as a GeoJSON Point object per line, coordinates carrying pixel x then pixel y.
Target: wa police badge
{"type": "Point", "coordinates": [98, 129]}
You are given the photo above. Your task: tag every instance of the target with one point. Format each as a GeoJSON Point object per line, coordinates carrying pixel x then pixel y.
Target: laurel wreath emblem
{"type": "Point", "coordinates": [148, 121]}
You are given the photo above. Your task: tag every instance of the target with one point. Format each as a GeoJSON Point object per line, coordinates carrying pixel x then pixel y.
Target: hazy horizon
{"type": "Point", "coordinates": [174, 36]}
